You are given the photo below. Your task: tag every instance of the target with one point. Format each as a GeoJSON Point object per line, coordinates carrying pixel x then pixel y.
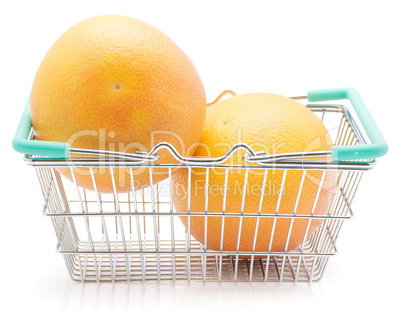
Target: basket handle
{"type": "Point", "coordinates": [378, 146]}
{"type": "Point", "coordinates": [22, 144]}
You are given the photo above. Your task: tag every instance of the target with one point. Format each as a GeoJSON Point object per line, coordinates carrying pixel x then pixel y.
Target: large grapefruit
{"type": "Point", "coordinates": [116, 83]}
{"type": "Point", "coordinates": [275, 124]}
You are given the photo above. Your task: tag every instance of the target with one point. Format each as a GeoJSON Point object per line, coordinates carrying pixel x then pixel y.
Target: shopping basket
{"type": "Point", "coordinates": [138, 236]}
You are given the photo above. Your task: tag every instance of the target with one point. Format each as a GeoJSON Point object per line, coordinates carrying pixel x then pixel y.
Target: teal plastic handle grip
{"type": "Point", "coordinates": [22, 144]}
{"type": "Point", "coordinates": [378, 146]}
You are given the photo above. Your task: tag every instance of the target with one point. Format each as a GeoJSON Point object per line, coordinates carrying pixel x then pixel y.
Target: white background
{"type": "Point", "coordinates": [284, 47]}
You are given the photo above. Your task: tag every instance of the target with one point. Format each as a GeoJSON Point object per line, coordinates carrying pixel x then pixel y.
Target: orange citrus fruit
{"type": "Point", "coordinates": [266, 122]}
{"type": "Point", "coordinates": [116, 83]}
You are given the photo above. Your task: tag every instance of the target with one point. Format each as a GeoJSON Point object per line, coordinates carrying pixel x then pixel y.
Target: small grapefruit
{"type": "Point", "coordinates": [266, 122]}
{"type": "Point", "coordinates": [116, 83]}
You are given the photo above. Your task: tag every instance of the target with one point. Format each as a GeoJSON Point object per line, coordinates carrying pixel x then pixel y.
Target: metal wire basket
{"type": "Point", "coordinates": [138, 236]}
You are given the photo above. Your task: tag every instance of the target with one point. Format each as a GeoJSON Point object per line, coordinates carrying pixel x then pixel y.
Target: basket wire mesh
{"type": "Point", "coordinates": [138, 236]}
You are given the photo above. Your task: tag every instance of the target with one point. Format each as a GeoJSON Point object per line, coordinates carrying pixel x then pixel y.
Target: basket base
{"type": "Point", "coordinates": [129, 267]}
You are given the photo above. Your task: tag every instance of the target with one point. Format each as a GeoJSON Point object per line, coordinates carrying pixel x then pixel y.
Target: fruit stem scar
{"type": "Point", "coordinates": [117, 87]}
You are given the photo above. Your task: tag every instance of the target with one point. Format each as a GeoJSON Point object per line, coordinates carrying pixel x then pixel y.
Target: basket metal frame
{"type": "Point", "coordinates": [131, 246]}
